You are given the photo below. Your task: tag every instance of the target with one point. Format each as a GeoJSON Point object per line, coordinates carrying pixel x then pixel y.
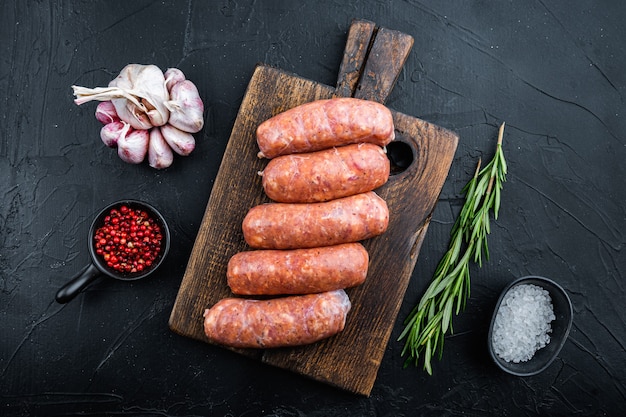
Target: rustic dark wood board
{"type": "Point", "coordinates": [351, 359]}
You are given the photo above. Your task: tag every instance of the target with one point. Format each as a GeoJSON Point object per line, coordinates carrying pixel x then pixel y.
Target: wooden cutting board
{"type": "Point", "coordinates": [421, 156]}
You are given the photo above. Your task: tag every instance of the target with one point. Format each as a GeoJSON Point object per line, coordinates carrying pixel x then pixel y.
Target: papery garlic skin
{"type": "Point", "coordinates": [186, 107]}
{"type": "Point", "coordinates": [132, 114]}
{"type": "Point", "coordinates": [133, 147]}
{"type": "Point", "coordinates": [160, 154]}
{"type": "Point", "coordinates": [106, 113]}
{"type": "Point", "coordinates": [111, 132]}
{"type": "Point", "coordinates": [138, 94]}
{"type": "Point", "coordinates": [147, 84]}
{"type": "Point", "coordinates": [181, 142]}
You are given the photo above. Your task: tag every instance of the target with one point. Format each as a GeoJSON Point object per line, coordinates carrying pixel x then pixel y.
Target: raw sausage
{"type": "Point", "coordinates": [287, 321]}
{"type": "Point", "coordinates": [294, 225]}
{"type": "Point", "coordinates": [326, 175]}
{"type": "Point", "coordinates": [297, 271]}
{"type": "Point", "coordinates": [323, 124]}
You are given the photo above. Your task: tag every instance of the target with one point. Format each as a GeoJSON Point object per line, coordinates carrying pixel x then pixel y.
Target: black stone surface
{"type": "Point", "coordinates": [554, 71]}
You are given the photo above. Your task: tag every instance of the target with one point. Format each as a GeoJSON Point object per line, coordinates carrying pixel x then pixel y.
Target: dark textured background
{"type": "Point", "coordinates": [554, 71]}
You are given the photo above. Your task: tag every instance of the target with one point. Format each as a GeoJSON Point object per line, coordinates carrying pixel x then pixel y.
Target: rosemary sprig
{"type": "Point", "coordinates": [430, 320]}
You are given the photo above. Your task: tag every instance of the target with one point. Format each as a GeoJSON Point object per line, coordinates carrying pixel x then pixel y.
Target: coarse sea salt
{"type": "Point", "coordinates": [522, 323]}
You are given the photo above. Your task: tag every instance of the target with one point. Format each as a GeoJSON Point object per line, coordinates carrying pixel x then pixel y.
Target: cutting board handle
{"type": "Point", "coordinates": [372, 61]}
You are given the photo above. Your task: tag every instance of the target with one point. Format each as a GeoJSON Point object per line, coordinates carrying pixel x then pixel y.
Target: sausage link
{"type": "Point", "coordinates": [327, 174]}
{"type": "Point", "coordinates": [293, 225]}
{"type": "Point", "coordinates": [297, 271]}
{"type": "Point", "coordinates": [323, 124]}
{"type": "Point", "coordinates": [287, 321]}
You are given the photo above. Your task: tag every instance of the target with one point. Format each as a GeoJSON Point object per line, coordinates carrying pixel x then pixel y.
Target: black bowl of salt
{"type": "Point", "coordinates": [530, 325]}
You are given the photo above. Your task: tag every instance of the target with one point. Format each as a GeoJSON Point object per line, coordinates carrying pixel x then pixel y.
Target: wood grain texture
{"type": "Point", "coordinates": [385, 60]}
{"type": "Point", "coordinates": [351, 359]}
{"type": "Point", "coordinates": [354, 57]}
{"type": "Point", "coordinates": [372, 61]}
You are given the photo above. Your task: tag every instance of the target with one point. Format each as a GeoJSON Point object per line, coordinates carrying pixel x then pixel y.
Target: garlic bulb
{"type": "Point", "coordinates": [147, 112]}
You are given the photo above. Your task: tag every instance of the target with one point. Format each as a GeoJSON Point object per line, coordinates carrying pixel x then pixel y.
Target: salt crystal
{"type": "Point", "coordinates": [522, 323]}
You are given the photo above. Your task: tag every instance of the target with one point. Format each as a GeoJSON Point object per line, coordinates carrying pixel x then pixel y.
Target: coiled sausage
{"type": "Point", "coordinates": [286, 321]}
{"type": "Point", "coordinates": [293, 225]}
{"type": "Point", "coordinates": [297, 271]}
{"type": "Point", "coordinates": [327, 174]}
{"type": "Point", "coordinates": [323, 124]}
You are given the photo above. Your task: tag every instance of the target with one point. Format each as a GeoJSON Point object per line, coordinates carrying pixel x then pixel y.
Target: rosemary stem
{"type": "Point", "coordinates": [431, 319]}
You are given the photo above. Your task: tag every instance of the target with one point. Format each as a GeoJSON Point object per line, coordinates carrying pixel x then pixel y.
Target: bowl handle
{"type": "Point", "coordinates": [77, 284]}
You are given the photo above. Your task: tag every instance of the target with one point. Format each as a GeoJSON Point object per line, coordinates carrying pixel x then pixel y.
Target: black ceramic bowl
{"type": "Point", "coordinates": [560, 328]}
{"type": "Point", "coordinates": [98, 266]}
{"type": "Point", "coordinates": [132, 205]}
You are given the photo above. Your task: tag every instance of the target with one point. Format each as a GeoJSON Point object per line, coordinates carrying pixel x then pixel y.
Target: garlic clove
{"type": "Point", "coordinates": [105, 113]}
{"type": "Point", "coordinates": [186, 107]}
{"type": "Point", "coordinates": [173, 76]}
{"type": "Point", "coordinates": [111, 132]}
{"type": "Point", "coordinates": [183, 143]}
{"type": "Point", "coordinates": [160, 154]}
{"type": "Point", "coordinates": [132, 148]}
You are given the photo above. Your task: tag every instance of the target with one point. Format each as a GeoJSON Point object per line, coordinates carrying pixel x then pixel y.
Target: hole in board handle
{"type": "Point", "coordinates": [400, 155]}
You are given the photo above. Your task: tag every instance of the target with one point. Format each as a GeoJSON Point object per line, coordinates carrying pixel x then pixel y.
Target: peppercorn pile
{"type": "Point", "coordinates": [129, 241]}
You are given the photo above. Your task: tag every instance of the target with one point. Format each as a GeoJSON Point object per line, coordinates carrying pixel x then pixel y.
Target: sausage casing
{"type": "Point", "coordinates": [294, 225]}
{"type": "Point", "coordinates": [327, 174]}
{"type": "Point", "coordinates": [297, 271]}
{"type": "Point", "coordinates": [285, 321]}
{"type": "Point", "coordinates": [323, 124]}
